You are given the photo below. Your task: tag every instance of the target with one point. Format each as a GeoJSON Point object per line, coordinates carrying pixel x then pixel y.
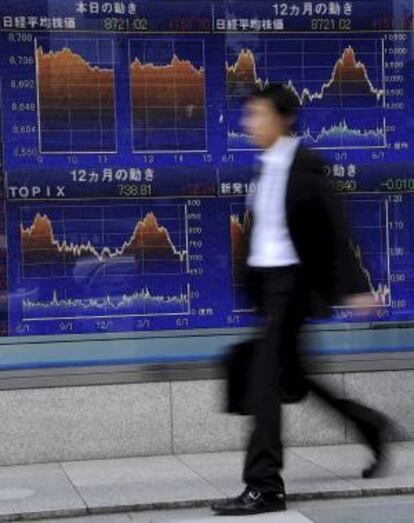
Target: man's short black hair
{"type": "Point", "coordinates": [281, 97]}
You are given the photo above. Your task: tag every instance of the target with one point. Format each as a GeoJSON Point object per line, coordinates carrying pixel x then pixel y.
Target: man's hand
{"type": "Point", "coordinates": [361, 303]}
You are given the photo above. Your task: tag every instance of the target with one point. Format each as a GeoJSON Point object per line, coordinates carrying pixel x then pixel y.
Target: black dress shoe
{"type": "Point", "coordinates": [251, 501]}
{"type": "Point", "coordinates": [373, 426]}
{"type": "Point", "coordinates": [373, 430]}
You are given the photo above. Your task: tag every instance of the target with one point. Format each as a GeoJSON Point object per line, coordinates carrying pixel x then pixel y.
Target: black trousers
{"type": "Point", "coordinates": [278, 294]}
{"type": "Point", "coordinates": [281, 297]}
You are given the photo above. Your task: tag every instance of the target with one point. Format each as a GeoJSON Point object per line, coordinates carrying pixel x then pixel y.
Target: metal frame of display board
{"type": "Point", "coordinates": [343, 348]}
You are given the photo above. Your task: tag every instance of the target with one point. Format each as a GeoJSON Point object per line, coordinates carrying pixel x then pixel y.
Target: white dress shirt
{"type": "Point", "coordinates": [271, 244]}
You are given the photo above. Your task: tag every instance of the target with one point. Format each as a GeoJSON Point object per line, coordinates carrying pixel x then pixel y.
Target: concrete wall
{"type": "Point", "coordinates": [50, 424]}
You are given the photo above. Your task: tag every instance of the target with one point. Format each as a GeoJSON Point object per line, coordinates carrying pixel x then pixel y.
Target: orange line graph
{"type": "Point", "coordinates": [177, 84]}
{"type": "Point", "coordinates": [149, 240]}
{"type": "Point", "coordinates": [239, 229]}
{"type": "Point", "coordinates": [64, 77]}
{"type": "Point", "coordinates": [349, 76]}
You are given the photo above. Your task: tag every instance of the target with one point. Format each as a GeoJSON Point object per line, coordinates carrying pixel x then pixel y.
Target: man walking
{"type": "Point", "coordinates": [300, 263]}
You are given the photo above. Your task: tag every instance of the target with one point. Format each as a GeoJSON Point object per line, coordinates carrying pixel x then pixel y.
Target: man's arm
{"type": "Point", "coordinates": [323, 240]}
{"type": "Point", "coordinates": [352, 286]}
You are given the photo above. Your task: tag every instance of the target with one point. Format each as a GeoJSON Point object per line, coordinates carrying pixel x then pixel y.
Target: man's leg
{"type": "Point", "coordinates": [275, 365]}
{"type": "Point", "coordinates": [265, 490]}
{"type": "Point", "coordinates": [264, 457]}
{"type": "Point", "coordinates": [278, 300]}
{"type": "Point", "coordinates": [370, 423]}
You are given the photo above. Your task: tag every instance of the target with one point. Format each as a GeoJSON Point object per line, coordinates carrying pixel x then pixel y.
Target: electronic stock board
{"type": "Point", "coordinates": [125, 166]}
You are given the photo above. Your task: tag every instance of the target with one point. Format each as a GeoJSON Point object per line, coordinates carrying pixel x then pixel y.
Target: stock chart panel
{"type": "Point", "coordinates": [126, 166]}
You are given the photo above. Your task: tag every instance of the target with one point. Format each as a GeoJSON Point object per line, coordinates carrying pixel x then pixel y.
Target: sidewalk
{"type": "Point", "coordinates": [136, 484]}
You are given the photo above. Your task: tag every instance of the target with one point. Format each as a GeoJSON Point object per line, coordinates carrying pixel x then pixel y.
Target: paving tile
{"type": "Point", "coordinates": [221, 469]}
{"type": "Point", "coordinates": [348, 461]}
{"type": "Point", "coordinates": [55, 490]}
{"type": "Point", "coordinates": [137, 481]}
{"type": "Point", "coordinates": [224, 470]}
{"type": "Point", "coordinates": [110, 518]}
{"type": "Point", "coordinates": [387, 509]}
{"type": "Point", "coordinates": [207, 516]}
{"type": "Point", "coordinates": [37, 489]}
{"type": "Point", "coordinates": [303, 477]}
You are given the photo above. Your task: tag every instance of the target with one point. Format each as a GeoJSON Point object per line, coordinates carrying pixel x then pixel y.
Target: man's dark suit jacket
{"type": "Point", "coordinates": [320, 234]}
{"type": "Point", "coordinates": [321, 237]}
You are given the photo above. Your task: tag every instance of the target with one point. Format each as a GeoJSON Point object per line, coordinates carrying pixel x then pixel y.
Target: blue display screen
{"type": "Point", "coordinates": [126, 167]}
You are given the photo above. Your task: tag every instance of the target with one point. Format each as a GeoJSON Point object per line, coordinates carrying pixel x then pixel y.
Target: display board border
{"type": "Point", "coordinates": [344, 349]}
